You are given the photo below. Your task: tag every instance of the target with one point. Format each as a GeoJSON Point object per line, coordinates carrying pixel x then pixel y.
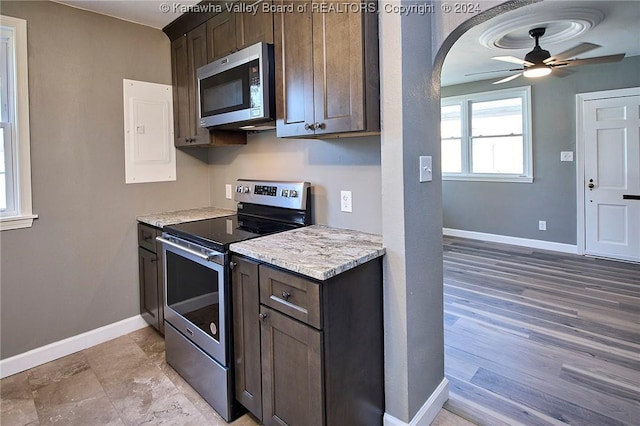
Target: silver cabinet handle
{"type": "Point", "coordinates": [208, 258]}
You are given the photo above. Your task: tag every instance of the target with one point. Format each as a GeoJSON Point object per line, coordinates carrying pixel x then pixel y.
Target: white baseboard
{"type": "Point", "coordinates": [515, 241]}
{"type": "Point", "coordinates": [428, 412]}
{"type": "Point", "coordinates": [55, 350]}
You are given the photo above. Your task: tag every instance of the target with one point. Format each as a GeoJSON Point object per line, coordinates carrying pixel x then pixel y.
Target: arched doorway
{"type": "Point", "coordinates": [537, 352]}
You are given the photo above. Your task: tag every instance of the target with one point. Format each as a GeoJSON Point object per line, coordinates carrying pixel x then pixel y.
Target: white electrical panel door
{"type": "Point", "coordinates": [148, 132]}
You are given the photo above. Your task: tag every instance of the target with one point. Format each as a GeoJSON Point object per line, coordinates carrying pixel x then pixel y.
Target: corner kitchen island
{"type": "Point", "coordinates": [308, 327]}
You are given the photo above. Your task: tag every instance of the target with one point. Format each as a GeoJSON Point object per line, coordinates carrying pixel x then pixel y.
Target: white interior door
{"type": "Point", "coordinates": [612, 176]}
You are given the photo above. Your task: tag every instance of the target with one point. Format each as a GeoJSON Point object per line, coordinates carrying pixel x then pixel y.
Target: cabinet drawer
{"type": "Point", "coordinates": [291, 295]}
{"type": "Point", "coordinates": [147, 237]}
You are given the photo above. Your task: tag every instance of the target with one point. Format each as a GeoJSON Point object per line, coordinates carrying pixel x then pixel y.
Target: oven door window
{"type": "Point", "coordinates": [227, 91]}
{"type": "Point", "coordinates": [192, 291]}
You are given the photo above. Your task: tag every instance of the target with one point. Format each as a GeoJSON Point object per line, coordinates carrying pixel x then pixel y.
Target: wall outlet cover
{"type": "Point", "coordinates": [566, 156]}
{"type": "Point", "coordinates": [542, 225]}
{"type": "Point", "coordinates": [346, 201]}
{"type": "Point", "coordinates": [228, 191]}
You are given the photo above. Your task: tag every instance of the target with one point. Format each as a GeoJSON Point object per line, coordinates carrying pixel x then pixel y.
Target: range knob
{"type": "Point", "coordinates": [246, 190]}
{"type": "Point", "coordinates": [293, 193]}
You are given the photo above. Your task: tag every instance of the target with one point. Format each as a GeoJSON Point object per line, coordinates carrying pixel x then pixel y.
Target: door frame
{"type": "Point", "coordinates": [581, 98]}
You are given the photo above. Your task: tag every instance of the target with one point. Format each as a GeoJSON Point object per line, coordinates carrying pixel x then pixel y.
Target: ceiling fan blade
{"type": "Point", "coordinates": [491, 72]}
{"type": "Point", "coordinates": [588, 61]}
{"type": "Point", "coordinates": [576, 50]}
{"type": "Point", "coordinates": [513, 60]}
{"type": "Point", "coordinates": [511, 77]}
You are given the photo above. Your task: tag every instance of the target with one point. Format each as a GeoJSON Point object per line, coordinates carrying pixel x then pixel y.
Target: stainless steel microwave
{"type": "Point", "coordinates": [237, 92]}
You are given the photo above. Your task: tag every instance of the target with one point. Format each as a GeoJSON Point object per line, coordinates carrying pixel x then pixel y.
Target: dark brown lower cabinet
{"type": "Point", "coordinates": [291, 371]}
{"type": "Point", "coordinates": [150, 277]}
{"type": "Point", "coordinates": [246, 335]}
{"type": "Point", "coordinates": [309, 352]}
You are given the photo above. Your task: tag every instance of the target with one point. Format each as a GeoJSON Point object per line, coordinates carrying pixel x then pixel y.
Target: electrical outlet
{"type": "Point", "coordinates": [566, 156]}
{"type": "Point", "coordinates": [228, 192]}
{"type": "Point", "coordinates": [345, 201]}
{"type": "Point", "coordinates": [542, 225]}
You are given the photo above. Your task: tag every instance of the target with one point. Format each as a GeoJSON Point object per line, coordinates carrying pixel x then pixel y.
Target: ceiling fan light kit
{"type": "Point", "coordinates": [536, 71]}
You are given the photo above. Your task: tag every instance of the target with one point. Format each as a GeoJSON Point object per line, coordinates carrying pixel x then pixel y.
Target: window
{"type": "Point", "coordinates": [486, 136]}
{"type": "Point", "coordinates": [15, 161]}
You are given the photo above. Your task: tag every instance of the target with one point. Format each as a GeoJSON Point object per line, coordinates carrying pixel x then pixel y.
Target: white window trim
{"type": "Point", "coordinates": [24, 217]}
{"type": "Point", "coordinates": [527, 176]}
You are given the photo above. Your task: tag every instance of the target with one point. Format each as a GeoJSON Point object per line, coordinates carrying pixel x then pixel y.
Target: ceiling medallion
{"type": "Point", "coordinates": [561, 26]}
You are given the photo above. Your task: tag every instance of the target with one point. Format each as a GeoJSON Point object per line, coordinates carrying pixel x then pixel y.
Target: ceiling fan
{"type": "Point", "coordinates": [539, 62]}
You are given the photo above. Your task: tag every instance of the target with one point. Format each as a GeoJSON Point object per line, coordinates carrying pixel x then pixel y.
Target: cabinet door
{"type": "Point", "coordinates": [148, 277]}
{"type": "Point", "coordinates": [292, 392]}
{"type": "Point", "coordinates": [294, 69]}
{"type": "Point", "coordinates": [221, 35]}
{"type": "Point", "coordinates": [253, 28]}
{"type": "Point", "coordinates": [338, 71]}
{"type": "Point", "coordinates": [197, 43]}
{"type": "Point", "coordinates": [246, 335]}
{"type": "Point", "coordinates": [181, 82]}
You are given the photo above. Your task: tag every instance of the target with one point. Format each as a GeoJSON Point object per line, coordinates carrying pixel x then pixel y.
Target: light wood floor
{"type": "Point", "coordinates": [540, 338]}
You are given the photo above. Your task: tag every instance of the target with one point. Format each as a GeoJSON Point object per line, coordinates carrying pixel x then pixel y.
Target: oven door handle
{"type": "Point", "coordinates": [208, 258]}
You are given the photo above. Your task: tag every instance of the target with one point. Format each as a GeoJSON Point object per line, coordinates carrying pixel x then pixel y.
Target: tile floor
{"type": "Point", "coordinates": [124, 381]}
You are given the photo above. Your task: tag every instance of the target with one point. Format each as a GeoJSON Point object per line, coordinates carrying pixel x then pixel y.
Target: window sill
{"type": "Point", "coordinates": [505, 179]}
{"type": "Point", "coordinates": [17, 222]}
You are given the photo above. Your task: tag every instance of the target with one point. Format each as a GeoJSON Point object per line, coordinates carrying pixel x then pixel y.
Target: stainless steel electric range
{"type": "Point", "coordinates": [197, 283]}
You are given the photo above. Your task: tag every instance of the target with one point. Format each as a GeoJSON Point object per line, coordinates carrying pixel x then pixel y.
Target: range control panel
{"type": "Point", "coordinates": [292, 195]}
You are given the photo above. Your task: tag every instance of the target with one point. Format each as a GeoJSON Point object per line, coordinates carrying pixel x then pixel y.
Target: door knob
{"type": "Point", "coordinates": [591, 185]}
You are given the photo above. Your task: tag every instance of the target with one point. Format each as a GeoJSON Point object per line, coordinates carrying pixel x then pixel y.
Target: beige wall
{"type": "Point", "coordinates": [351, 164]}
{"type": "Point", "coordinates": [76, 269]}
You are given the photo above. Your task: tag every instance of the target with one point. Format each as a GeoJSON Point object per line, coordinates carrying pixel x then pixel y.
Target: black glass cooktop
{"type": "Point", "coordinates": [219, 232]}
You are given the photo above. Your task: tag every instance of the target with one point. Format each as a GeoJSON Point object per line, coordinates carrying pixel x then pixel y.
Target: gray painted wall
{"type": "Point", "coordinates": [514, 209]}
{"type": "Point", "coordinates": [76, 269]}
{"type": "Point", "coordinates": [351, 164]}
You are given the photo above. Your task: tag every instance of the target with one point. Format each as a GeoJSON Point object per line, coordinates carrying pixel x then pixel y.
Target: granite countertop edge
{"type": "Point", "coordinates": [303, 256]}
{"type": "Point", "coordinates": [309, 271]}
{"type": "Point", "coordinates": [160, 220]}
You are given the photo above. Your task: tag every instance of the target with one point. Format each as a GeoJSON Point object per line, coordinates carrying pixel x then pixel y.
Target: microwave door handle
{"type": "Point", "coordinates": [208, 258]}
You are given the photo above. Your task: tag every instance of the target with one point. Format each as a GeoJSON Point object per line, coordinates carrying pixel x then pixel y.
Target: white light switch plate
{"type": "Point", "coordinates": [228, 192]}
{"type": "Point", "coordinates": [345, 201]}
{"type": "Point", "coordinates": [426, 168]}
{"type": "Point", "coordinates": [566, 156]}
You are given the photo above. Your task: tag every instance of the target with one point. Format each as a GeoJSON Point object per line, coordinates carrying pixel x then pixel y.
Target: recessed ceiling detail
{"type": "Point", "coordinates": [561, 26]}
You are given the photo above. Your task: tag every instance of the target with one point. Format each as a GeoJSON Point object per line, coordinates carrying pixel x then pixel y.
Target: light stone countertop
{"type": "Point", "coordinates": [316, 251]}
{"type": "Point", "coordinates": [160, 220]}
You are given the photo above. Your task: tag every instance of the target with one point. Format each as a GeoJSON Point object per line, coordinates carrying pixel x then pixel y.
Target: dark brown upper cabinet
{"type": "Point", "coordinates": [228, 32]}
{"type": "Point", "coordinates": [327, 74]}
{"type": "Point", "coordinates": [252, 28]}
{"type": "Point", "coordinates": [188, 54]}
{"type": "Point", "coordinates": [221, 36]}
